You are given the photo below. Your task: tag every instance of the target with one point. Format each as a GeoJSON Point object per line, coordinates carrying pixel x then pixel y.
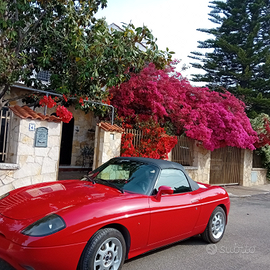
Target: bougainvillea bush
{"type": "Point", "coordinates": [212, 118]}
{"type": "Point", "coordinates": [155, 143]}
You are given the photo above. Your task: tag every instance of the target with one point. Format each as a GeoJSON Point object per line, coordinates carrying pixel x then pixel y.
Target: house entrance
{"type": "Point", "coordinates": [66, 143]}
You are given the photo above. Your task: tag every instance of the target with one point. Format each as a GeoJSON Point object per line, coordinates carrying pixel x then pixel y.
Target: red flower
{"type": "Point", "coordinates": [47, 101]}
{"type": "Point", "coordinates": [81, 100]}
{"type": "Point", "coordinates": [65, 98]}
{"type": "Point", "coordinates": [64, 114]}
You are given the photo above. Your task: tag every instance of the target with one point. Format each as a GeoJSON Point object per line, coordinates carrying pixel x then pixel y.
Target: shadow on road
{"type": "Point", "coordinates": [195, 240]}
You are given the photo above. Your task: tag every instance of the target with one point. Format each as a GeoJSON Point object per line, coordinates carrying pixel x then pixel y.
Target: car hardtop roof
{"type": "Point", "coordinates": [162, 164]}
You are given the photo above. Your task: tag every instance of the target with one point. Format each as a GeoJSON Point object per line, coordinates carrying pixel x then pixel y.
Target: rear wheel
{"type": "Point", "coordinates": [216, 226]}
{"type": "Point", "coordinates": [105, 251]}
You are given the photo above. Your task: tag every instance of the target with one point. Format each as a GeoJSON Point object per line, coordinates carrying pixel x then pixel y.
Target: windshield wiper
{"type": "Point", "coordinates": [88, 178]}
{"type": "Point", "coordinates": [110, 184]}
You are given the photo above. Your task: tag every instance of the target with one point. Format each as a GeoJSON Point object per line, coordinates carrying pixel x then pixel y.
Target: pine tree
{"type": "Point", "coordinates": [238, 56]}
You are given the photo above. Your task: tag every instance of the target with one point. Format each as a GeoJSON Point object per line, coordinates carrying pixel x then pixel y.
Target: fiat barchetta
{"type": "Point", "coordinates": [124, 208]}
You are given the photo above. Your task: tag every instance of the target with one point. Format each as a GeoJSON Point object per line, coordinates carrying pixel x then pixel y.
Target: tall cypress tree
{"type": "Point", "coordinates": [238, 56]}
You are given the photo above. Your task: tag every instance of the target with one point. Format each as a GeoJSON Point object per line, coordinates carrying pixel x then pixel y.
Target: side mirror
{"type": "Point", "coordinates": [163, 190]}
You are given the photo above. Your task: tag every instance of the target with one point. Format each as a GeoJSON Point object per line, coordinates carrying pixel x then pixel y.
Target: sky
{"type": "Point", "coordinates": [172, 22]}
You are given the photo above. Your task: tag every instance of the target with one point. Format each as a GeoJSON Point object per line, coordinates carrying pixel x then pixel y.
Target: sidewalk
{"type": "Point", "coordinates": [240, 191]}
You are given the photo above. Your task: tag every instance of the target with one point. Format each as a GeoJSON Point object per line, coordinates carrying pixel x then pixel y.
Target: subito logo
{"type": "Point", "coordinates": [211, 249]}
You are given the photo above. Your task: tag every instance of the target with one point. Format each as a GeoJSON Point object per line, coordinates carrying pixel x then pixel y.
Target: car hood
{"type": "Point", "coordinates": [42, 199]}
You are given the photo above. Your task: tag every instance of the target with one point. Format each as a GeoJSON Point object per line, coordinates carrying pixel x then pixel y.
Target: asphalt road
{"type": "Point", "coordinates": [245, 245]}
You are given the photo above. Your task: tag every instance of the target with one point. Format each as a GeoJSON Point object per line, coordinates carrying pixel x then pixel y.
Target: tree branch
{"type": "Point", "coordinates": [35, 25]}
{"type": "Point", "coordinates": [5, 89]}
{"type": "Point", "coordinates": [32, 28]}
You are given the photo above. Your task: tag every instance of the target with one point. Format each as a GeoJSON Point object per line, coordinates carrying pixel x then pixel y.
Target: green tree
{"type": "Point", "coordinates": [63, 37]}
{"type": "Point", "coordinates": [238, 55]}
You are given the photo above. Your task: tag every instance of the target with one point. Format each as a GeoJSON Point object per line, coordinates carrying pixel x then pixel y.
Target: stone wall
{"type": "Point", "coordinates": [30, 164]}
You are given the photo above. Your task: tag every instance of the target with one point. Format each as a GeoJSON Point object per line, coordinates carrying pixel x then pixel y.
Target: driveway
{"type": "Point", "coordinates": [245, 246]}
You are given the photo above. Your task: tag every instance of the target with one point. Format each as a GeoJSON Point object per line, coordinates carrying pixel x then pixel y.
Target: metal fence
{"type": "Point", "coordinates": [138, 135]}
{"type": "Point", "coordinates": [5, 117]}
{"type": "Point", "coordinates": [182, 153]}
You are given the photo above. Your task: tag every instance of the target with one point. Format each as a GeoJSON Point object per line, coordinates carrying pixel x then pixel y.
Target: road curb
{"type": "Point", "coordinates": [231, 195]}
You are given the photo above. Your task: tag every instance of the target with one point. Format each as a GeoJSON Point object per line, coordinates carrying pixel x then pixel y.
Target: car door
{"type": "Point", "coordinates": [173, 216]}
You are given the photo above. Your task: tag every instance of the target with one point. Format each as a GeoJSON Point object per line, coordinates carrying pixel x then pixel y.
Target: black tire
{"type": "Point", "coordinates": [106, 248]}
{"type": "Point", "coordinates": [215, 228]}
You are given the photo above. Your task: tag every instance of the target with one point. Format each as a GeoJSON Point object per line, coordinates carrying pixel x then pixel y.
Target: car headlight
{"type": "Point", "coordinates": [45, 226]}
{"type": "Point", "coordinates": [4, 196]}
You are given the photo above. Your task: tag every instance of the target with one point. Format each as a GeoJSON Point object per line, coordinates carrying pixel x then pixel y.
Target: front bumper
{"type": "Point", "coordinates": [40, 258]}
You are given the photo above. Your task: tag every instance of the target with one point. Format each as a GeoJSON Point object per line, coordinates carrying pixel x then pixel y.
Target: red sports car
{"type": "Point", "coordinates": [124, 208]}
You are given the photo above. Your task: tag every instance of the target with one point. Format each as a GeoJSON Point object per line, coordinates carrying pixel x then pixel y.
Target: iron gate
{"type": "Point", "coordinates": [5, 117]}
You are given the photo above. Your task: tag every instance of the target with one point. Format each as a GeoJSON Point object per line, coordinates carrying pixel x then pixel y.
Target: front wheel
{"type": "Point", "coordinates": [105, 251]}
{"type": "Point", "coordinates": [216, 226]}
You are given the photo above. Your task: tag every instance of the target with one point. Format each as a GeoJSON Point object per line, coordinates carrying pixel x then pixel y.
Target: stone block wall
{"type": "Point", "coordinates": [30, 164]}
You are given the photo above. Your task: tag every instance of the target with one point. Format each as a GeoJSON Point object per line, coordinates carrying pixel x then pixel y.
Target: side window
{"type": "Point", "coordinates": [175, 179]}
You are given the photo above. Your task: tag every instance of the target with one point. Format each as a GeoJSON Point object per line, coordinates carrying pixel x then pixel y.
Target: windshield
{"type": "Point", "coordinates": [127, 175]}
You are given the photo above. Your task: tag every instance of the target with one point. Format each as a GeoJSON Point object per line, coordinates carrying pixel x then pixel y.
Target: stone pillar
{"type": "Point", "coordinates": [246, 167]}
{"type": "Point", "coordinates": [107, 146]}
{"type": "Point", "coordinates": [200, 171]}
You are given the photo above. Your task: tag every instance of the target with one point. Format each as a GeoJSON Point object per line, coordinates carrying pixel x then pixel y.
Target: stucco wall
{"type": "Point", "coordinates": [251, 176]}
{"type": "Point", "coordinates": [30, 164]}
{"type": "Point", "coordinates": [258, 177]}
{"type": "Point", "coordinates": [83, 134]}
{"type": "Point", "coordinates": [200, 171]}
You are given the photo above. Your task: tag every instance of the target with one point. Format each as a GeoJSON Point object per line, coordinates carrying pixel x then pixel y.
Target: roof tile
{"type": "Point", "coordinates": [110, 127]}
{"type": "Point", "coordinates": [25, 112]}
